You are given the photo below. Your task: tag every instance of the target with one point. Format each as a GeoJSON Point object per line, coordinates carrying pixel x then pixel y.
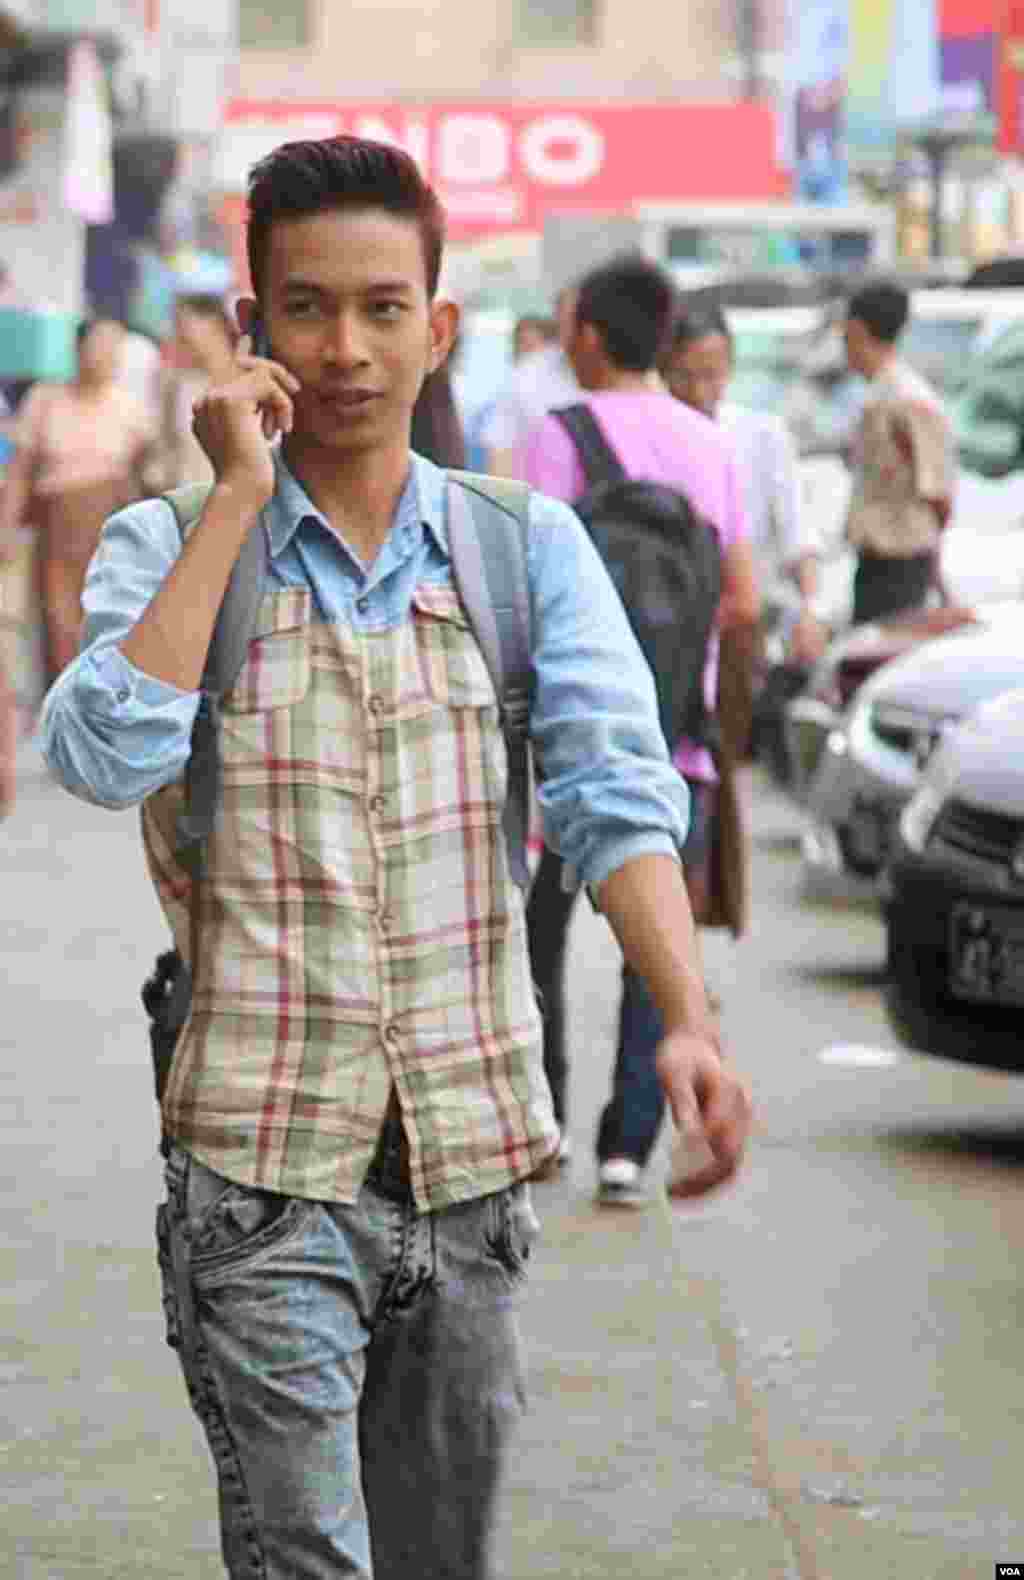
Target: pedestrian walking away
{"type": "Point", "coordinates": [357, 1098]}
{"type": "Point", "coordinates": [904, 464]}
{"type": "Point", "coordinates": [539, 381]}
{"type": "Point", "coordinates": [81, 451]}
{"type": "Point", "coordinates": [698, 367]}
{"type": "Point", "coordinates": [622, 318]}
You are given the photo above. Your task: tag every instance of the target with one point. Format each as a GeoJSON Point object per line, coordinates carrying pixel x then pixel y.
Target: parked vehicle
{"type": "Point", "coordinates": [955, 915]}
{"type": "Point", "coordinates": [881, 744]}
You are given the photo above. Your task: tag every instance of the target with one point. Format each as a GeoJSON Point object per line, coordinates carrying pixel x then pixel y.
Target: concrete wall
{"type": "Point", "coordinates": [444, 49]}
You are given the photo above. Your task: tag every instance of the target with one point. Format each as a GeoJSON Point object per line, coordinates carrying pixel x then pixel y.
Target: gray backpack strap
{"type": "Point", "coordinates": [487, 524]}
{"type": "Point", "coordinates": [236, 621]}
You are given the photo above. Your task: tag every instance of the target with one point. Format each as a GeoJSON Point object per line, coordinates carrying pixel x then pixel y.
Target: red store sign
{"type": "Point", "coordinates": [501, 167]}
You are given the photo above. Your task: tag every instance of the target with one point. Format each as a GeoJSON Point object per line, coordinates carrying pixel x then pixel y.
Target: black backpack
{"type": "Point", "coordinates": [666, 564]}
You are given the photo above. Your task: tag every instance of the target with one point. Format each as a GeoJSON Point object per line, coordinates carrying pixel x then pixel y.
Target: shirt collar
{"type": "Point", "coordinates": [422, 500]}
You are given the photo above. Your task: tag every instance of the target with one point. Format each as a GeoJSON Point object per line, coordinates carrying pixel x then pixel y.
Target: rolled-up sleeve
{"type": "Point", "coordinates": [111, 733]}
{"type": "Point", "coordinates": [608, 792]}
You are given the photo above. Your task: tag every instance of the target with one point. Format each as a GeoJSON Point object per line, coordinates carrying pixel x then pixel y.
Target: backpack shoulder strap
{"type": "Point", "coordinates": [236, 618]}
{"type": "Point", "coordinates": [236, 621]}
{"type": "Point", "coordinates": [487, 525]}
{"type": "Point", "coordinates": [599, 462]}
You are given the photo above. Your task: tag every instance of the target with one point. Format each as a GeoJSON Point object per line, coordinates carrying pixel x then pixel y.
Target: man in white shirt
{"type": "Point", "coordinates": [697, 369]}
{"type": "Point", "coordinates": [541, 382]}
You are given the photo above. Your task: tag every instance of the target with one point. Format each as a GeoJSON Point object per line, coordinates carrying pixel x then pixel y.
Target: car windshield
{"type": "Point", "coordinates": [939, 347]}
{"type": "Point", "coordinates": [988, 406]}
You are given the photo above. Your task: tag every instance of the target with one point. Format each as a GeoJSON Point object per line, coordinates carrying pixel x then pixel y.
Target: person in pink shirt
{"type": "Point", "coordinates": [623, 316]}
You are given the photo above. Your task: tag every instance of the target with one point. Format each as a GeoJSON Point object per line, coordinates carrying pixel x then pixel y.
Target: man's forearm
{"type": "Point", "coordinates": [648, 909]}
{"type": "Point", "coordinates": [171, 639]}
{"type": "Point", "coordinates": [805, 574]}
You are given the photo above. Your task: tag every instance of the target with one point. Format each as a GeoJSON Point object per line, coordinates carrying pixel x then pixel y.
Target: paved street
{"type": "Point", "coordinates": [814, 1377]}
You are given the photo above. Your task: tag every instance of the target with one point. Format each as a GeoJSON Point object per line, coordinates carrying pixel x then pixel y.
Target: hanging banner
{"type": "Point", "coordinates": [819, 51]}
{"type": "Point", "coordinates": [1010, 81]}
{"type": "Point", "coordinates": [968, 54]}
{"type": "Point", "coordinates": [894, 69]}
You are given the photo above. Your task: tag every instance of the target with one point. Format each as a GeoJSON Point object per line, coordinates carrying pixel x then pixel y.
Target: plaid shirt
{"type": "Point", "coordinates": [358, 926]}
{"type": "Point", "coordinates": [357, 923]}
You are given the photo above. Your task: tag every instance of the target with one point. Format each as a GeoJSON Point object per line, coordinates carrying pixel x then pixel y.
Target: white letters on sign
{"type": "Point", "coordinates": [472, 150]}
{"type": "Point", "coordinates": [541, 150]}
{"type": "Point", "coordinates": [466, 149]}
{"type": "Point", "coordinates": [414, 138]}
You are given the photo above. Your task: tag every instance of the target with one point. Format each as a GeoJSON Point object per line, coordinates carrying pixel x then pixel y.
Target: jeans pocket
{"type": "Point", "coordinates": [229, 1223]}
{"type": "Point", "coordinates": [168, 1284]}
{"type": "Point", "coordinates": [514, 1228]}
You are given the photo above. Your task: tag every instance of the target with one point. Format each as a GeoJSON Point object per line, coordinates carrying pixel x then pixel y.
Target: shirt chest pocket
{"type": "Point", "coordinates": [276, 671]}
{"type": "Point", "coordinates": [450, 669]}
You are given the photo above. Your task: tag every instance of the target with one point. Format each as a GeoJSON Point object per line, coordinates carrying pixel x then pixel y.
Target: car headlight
{"type": "Point", "coordinates": [922, 811]}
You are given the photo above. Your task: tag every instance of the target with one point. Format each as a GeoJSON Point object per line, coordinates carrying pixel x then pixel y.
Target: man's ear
{"type": "Point", "coordinates": [590, 339]}
{"type": "Point", "coordinates": [444, 326]}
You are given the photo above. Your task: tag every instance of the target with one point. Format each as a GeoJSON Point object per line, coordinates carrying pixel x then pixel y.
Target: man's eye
{"type": "Point", "coordinates": [388, 310]}
{"type": "Point", "coordinates": [300, 309]}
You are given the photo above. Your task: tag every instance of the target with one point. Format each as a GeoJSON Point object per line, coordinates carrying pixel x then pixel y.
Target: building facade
{"type": "Point", "coordinates": [421, 50]}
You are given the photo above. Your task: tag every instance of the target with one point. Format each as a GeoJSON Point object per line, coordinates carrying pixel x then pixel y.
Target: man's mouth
{"type": "Point", "coordinates": [345, 402]}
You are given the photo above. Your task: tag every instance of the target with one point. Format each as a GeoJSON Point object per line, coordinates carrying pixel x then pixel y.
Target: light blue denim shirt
{"type": "Point", "coordinates": [114, 735]}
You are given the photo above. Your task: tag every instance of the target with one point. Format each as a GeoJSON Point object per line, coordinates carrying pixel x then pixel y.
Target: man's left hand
{"type": "Point", "coordinates": [707, 1099]}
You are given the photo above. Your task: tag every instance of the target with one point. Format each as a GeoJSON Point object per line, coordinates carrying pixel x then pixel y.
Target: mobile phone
{"type": "Point", "coordinates": [258, 336]}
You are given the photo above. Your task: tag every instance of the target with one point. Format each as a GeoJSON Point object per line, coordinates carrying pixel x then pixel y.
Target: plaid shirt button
{"type": "Point", "coordinates": [375, 704]}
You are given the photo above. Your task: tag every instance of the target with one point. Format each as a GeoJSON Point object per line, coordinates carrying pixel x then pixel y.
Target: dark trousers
{"type": "Point", "coordinates": [630, 1121]}
{"type": "Point", "coordinates": [883, 587]}
{"type": "Point", "coordinates": [548, 912]}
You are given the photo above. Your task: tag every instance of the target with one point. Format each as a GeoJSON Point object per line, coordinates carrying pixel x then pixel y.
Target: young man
{"type": "Point", "coordinates": [623, 314]}
{"type": "Point", "coordinates": [697, 368]}
{"type": "Point", "coordinates": [538, 383]}
{"type": "Point", "coordinates": [904, 462]}
{"type": "Point", "coordinates": [358, 1096]}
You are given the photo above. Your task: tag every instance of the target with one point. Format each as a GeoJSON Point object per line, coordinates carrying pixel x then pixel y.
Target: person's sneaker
{"type": "Point", "coordinates": [620, 1184]}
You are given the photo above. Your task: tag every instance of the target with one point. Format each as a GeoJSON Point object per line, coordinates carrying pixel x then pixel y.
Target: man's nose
{"type": "Point", "coordinates": [346, 345]}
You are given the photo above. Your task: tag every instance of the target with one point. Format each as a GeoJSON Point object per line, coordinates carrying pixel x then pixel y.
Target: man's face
{"type": "Point", "coordinates": [100, 353]}
{"type": "Point", "coordinates": [585, 353]}
{"type": "Point", "coordinates": [565, 317]}
{"type": "Point", "coordinates": [346, 310]}
{"type": "Point", "coordinates": [698, 373]}
{"type": "Point", "coordinates": [528, 339]}
{"type": "Point", "coordinates": [857, 341]}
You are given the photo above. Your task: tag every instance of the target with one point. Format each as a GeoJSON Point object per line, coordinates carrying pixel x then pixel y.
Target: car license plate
{"type": "Point", "coordinates": [987, 954]}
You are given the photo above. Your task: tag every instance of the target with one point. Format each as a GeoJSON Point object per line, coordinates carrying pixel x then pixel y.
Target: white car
{"type": "Point", "coordinates": [877, 749]}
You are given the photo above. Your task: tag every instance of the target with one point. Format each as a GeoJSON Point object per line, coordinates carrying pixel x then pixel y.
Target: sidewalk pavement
{"type": "Point", "coordinates": [633, 1458]}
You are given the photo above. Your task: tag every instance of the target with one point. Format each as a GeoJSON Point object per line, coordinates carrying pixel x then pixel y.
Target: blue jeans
{"type": "Point", "coordinates": [356, 1370]}
{"type": "Point", "coordinates": [630, 1121]}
